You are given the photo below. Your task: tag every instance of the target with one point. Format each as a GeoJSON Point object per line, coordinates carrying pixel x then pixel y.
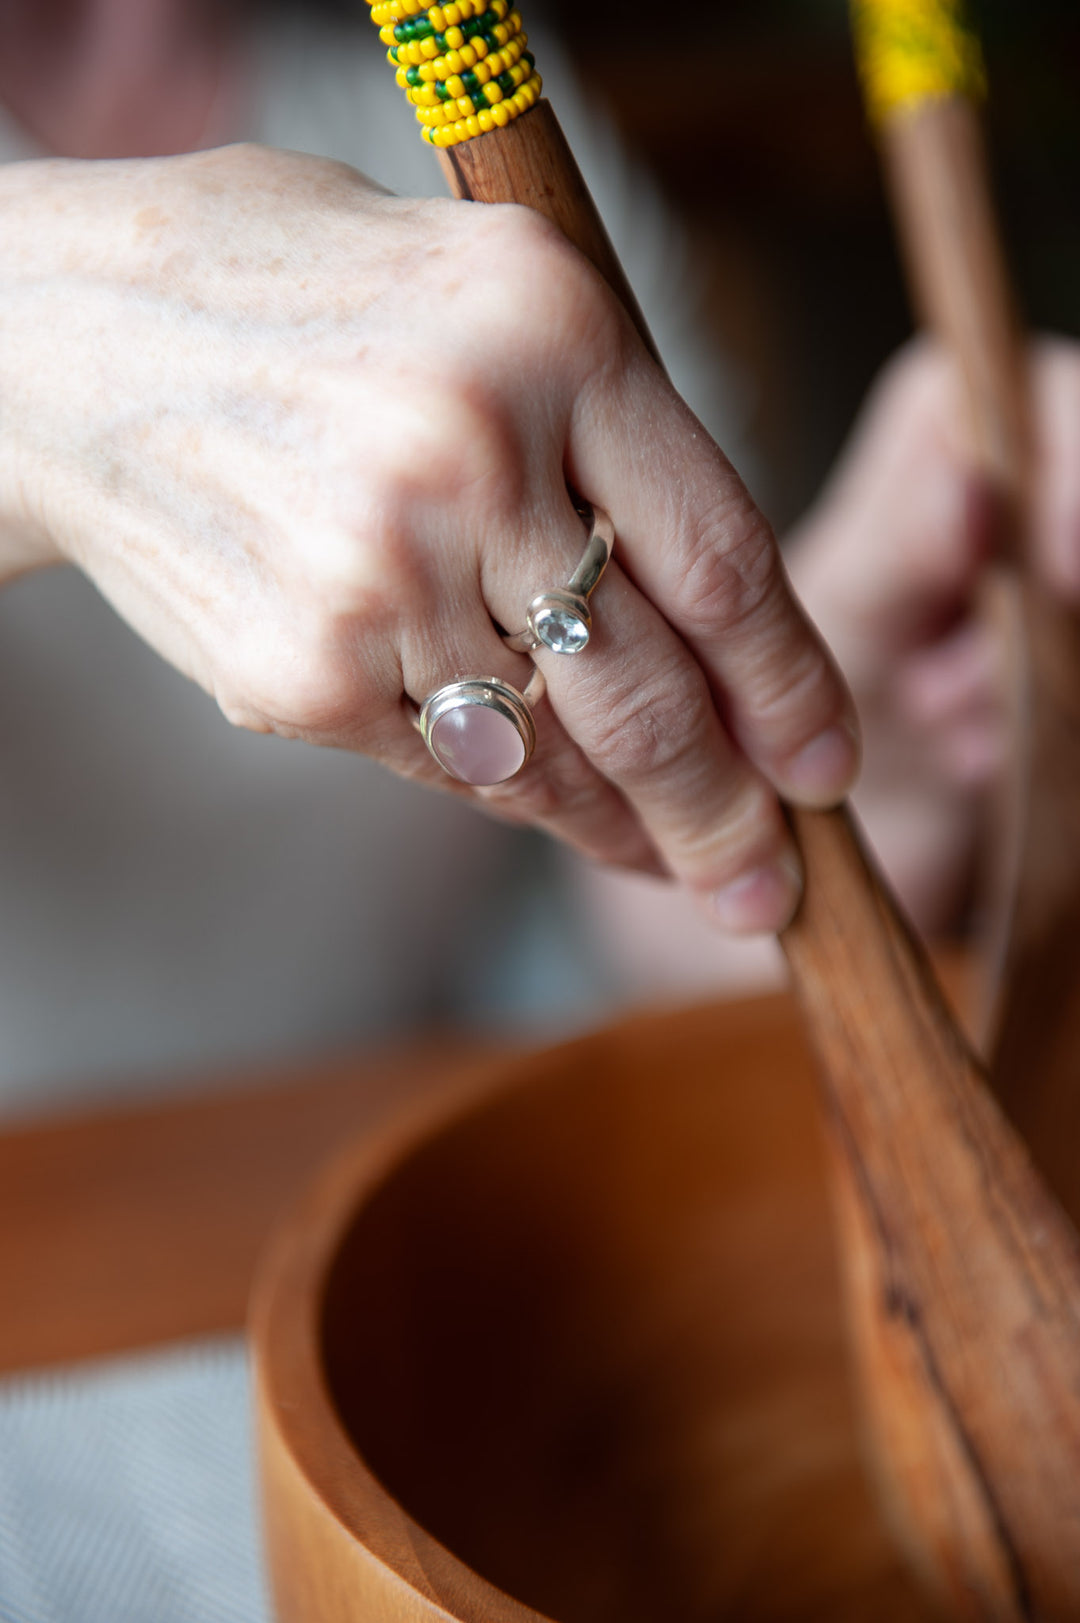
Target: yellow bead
{"type": "Point", "coordinates": [469, 56]}
{"type": "Point", "coordinates": [428, 48]}
{"type": "Point", "coordinates": [455, 85]}
{"type": "Point", "coordinates": [493, 93]}
{"type": "Point", "coordinates": [452, 61]}
{"type": "Point", "coordinates": [501, 115]}
{"type": "Point", "coordinates": [452, 15]}
{"type": "Point", "coordinates": [429, 72]}
{"type": "Point", "coordinates": [386, 35]}
{"type": "Point", "coordinates": [483, 72]}
{"type": "Point", "coordinates": [455, 38]}
{"type": "Point", "coordinates": [473, 125]}
{"type": "Point", "coordinates": [479, 48]}
{"type": "Point", "coordinates": [485, 120]}
{"type": "Point", "coordinates": [402, 80]}
{"type": "Point", "coordinates": [437, 18]}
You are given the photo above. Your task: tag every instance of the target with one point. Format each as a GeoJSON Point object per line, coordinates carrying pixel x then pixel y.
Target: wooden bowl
{"type": "Point", "coordinates": [569, 1345]}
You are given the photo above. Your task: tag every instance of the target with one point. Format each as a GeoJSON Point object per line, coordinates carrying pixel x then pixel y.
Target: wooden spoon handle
{"type": "Point", "coordinates": [964, 1281]}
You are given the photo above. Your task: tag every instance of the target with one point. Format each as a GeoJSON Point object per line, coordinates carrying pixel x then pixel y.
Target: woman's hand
{"type": "Point", "coordinates": [888, 563]}
{"type": "Point", "coordinates": [313, 440]}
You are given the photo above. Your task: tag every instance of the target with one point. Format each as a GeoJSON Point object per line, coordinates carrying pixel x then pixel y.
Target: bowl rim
{"type": "Point", "coordinates": [292, 1391]}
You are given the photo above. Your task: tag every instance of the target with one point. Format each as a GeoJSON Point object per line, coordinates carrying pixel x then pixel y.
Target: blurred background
{"type": "Point", "coordinates": [761, 143]}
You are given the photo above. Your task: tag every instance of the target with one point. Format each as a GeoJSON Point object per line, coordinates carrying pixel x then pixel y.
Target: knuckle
{"type": "Point", "coordinates": [795, 697]}
{"type": "Point", "coordinates": [654, 729]}
{"type": "Point", "coordinates": [733, 576]}
{"type": "Point", "coordinates": [449, 444]}
{"type": "Point", "coordinates": [572, 313]}
{"type": "Point", "coordinates": [299, 688]}
{"type": "Point", "coordinates": [750, 828]}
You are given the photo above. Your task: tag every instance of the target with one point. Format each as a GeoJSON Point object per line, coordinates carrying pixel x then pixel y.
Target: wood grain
{"type": "Point", "coordinates": [963, 1272]}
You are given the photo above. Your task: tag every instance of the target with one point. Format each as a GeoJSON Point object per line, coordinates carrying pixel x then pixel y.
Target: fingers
{"type": "Point", "coordinates": [642, 710]}
{"type": "Point", "coordinates": [951, 694]}
{"type": "Point", "coordinates": [559, 790]}
{"type": "Point", "coordinates": [693, 542]}
{"type": "Point", "coordinates": [890, 553]}
{"type": "Point", "coordinates": [633, 764]}
{"type": "Point", "coordinates": [639, 707]}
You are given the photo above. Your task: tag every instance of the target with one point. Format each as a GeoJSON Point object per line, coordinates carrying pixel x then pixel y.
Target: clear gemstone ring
{"type": "Point", "coordinates": [559, 619]}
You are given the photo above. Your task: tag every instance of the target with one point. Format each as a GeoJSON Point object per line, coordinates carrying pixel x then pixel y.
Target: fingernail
{"type": "Point", "coordinates": [763, 900]}
{"type": "Point", "coordinates": [825, 769]}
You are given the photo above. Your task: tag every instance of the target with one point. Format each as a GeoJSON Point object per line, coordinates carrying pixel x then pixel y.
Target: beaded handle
{"type": "Point", "coordinates": [463, 65]}
{"type": "Point", "coordinates": [911, 51]}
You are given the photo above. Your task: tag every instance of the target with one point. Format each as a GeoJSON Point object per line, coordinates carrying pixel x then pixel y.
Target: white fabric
{"type": "Point", "coordinates": [127, 1492]}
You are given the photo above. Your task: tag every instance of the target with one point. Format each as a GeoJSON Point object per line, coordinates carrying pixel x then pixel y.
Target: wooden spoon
{"type": "Point", "coordinates": [963, 1273]}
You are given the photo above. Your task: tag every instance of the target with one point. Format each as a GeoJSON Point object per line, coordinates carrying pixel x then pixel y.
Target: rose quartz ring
{"type": "Point", "coordinates": [480, 729]}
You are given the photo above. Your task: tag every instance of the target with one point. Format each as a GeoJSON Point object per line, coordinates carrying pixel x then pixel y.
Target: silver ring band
{"type": "Point", "coordinates": [559, 619]}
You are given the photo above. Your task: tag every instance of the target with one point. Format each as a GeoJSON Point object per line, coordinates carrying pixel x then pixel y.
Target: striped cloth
{"type": "Point", "coordinates": [127, 1491]}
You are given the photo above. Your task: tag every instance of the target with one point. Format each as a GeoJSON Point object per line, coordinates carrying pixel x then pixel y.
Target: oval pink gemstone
{"type": "Point", "coordinates": [477, 744]}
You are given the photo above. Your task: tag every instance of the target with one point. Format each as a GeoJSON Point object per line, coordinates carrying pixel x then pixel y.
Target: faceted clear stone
{"type": "Point", "coordinates": [561, 630]}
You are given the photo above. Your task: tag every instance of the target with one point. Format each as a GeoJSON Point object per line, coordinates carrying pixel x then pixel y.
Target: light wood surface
{"type": "Point", "coordinates": [131, 1226]}
{"type": "Point", "coordinates": [573, 1347]}
{"type": "Point", "coordinates": [963, 1276]}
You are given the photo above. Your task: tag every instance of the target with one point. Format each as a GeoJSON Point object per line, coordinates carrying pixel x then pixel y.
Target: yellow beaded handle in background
{"type": "Point", "coordinates": [463, 65]}
{"type": "Point", "coordinates": [910, 51]}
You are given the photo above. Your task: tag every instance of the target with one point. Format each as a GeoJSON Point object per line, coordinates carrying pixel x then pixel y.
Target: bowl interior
{"type": "Point", "coordinates": [589, 1337]}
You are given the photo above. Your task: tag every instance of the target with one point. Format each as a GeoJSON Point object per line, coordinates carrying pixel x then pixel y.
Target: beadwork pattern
{"type": "Point", "coordinates": [911, 50]}
{"type": "Point", "coordinates": [464, 65]}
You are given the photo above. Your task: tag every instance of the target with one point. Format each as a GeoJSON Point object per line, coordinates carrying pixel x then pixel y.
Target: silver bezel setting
{"type": "Point", "coordinates": [574, 596]}
{"type": "Point", "coordinates": [573, 605]}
